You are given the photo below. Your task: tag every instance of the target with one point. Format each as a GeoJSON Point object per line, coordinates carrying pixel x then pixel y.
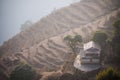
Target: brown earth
{"type": "Point", "coordinates": [42, 45]}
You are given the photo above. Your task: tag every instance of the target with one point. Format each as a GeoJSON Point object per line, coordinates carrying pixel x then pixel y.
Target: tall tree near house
{"type": "Point", "coordinates": [115, 43]}
{"type": "Point", "coordinates": [101, 38]}
{"type": "Point", "coordinates": [72, 42]}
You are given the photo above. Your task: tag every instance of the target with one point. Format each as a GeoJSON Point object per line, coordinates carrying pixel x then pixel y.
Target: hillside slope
{"type": "Point", "coordinates": [42, 44]}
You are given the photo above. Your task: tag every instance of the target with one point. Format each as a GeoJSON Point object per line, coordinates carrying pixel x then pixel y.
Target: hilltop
{"type": "Point", "coordinates": [42, 44]}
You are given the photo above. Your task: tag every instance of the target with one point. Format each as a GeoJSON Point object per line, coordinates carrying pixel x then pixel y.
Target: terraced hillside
{"type": "Point", "coordinates": [42, 44]}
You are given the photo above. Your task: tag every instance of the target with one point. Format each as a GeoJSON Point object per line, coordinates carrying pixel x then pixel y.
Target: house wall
{"type": "Point", "coordinates": [92, 55]}
{"type": "Point", "coordinates": [90, 61]}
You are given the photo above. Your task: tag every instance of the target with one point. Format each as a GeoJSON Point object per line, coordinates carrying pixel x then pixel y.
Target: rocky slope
{"type": "Point", "coordinates": [42, 45]}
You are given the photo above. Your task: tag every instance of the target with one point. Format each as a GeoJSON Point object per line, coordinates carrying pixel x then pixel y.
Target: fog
{"type": "Point", "coordinates": [13, 13]}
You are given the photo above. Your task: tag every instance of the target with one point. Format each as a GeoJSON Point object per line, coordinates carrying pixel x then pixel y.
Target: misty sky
{"type": "Point", "coordinates": [13, 13]}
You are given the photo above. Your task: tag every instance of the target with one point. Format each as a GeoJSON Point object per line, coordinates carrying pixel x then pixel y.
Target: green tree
{"type": "Point", "coordinates": [23, 72]}
{"type": "Point", "coordinates": [108, 74]}
{"type": "Point", "coordinates": [100, 37]}
{"type": "Point", "coordinates": [116, 25]}
{"type": "Point", "coordinates": [115, 43]}
{"type": "Point", "coordinates": [72, 42]}
{"type": "Point", "coordinates": [78, 38]}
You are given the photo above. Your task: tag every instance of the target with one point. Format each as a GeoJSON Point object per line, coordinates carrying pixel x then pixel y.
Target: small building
{"type": "Point", "coordinates": [91, 53]}
{"type": "Point", "coordinates": [89, 57]}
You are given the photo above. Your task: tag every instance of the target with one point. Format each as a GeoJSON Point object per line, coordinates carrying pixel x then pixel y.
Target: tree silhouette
{"type": "Point", "coordinates": [23, 72]}
{"type": "Point", "coordinates": [108, 74]}
{"type": "Point", "coordinates": [72, 42]}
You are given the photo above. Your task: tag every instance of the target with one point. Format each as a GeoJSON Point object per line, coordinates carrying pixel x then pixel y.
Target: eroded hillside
{"type": "Point", "coordinates": [42, 44]}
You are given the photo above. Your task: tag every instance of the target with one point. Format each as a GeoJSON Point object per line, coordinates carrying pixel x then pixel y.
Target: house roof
{"type": "Point", "coordinates": [91, 44]}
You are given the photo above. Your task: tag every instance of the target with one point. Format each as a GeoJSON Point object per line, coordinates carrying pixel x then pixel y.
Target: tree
{"type": "Point", "coordinates": [23, 72]}
{"type": "Point", "coordinates": [78, 38]}
{"type": "Point", "coordinates": [100, 37]}
{"type": "Point", "coordinates": [26, 25]}
{"type": "Point", "coordinates": [68, 39]}
{"type": "Point", "coordinates": [72, 42]}
{"type": "Point", "coordinates": [115, 43]}
{"type": "Point", "coordinates": [116, 25]}
{"type": "Point", "coordinates": [108, 74]}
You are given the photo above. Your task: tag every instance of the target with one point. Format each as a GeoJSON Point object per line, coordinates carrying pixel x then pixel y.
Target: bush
{"type": "Point", "coordinates": [66, 76]}
{"type": "Point", "coordinates": [108, 74]}
{"type": "Point", "coordinates": [79, 75]}
{"type": "Point", "coordinates": [23, 72]}
{"type": "Point", "coordinates": [53, 78]}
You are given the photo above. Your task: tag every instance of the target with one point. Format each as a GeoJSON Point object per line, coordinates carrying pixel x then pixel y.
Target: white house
{"type": "Point", "coordinates": [91, 53]}
{"type": "Point", "coordinates": [89, 57]}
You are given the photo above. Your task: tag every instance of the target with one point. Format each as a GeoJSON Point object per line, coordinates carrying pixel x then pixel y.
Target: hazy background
{"type": "Point", "coordinates": [13, 13]}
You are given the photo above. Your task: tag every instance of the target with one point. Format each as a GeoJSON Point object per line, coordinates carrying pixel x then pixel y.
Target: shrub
{"type": "Point", "coordinates": [23, 72]}
{"type": "Point", "coordinates": [108, 74]}
{"type": "Point", "coordinates": [79, 75]}
{"type": "Point", "coordinates": [66, 76]}
{"type": "Point", "coordinates": [75, 76]}
{"type": "Point", "coordinates": [53, 78]}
